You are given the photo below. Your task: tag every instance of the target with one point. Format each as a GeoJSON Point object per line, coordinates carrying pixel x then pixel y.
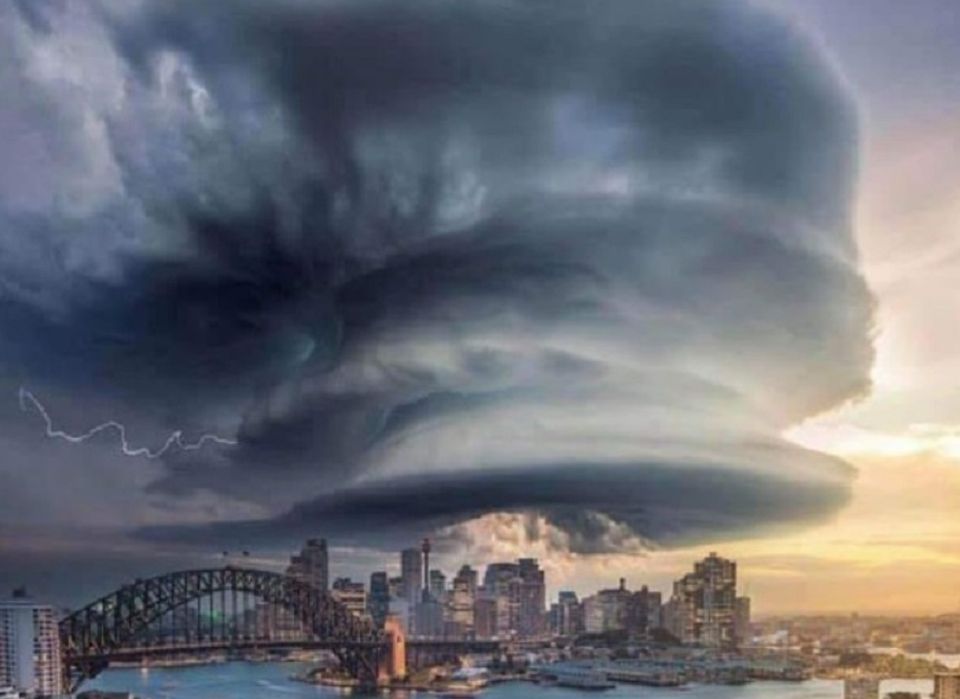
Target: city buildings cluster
{"type": "Point", "coordinates": [507, 602]}
{"type": "Point", "coordinates": [510, 601]}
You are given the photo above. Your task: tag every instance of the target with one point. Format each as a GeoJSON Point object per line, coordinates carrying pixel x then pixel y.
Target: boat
{"type": "Point", "coordinates": [460, 690]}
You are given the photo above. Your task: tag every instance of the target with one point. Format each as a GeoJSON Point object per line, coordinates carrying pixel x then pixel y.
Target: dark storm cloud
{"type": "Point", "coordinates": [429, 260]}
{"type": "Point", "coordinates": [640, 497]}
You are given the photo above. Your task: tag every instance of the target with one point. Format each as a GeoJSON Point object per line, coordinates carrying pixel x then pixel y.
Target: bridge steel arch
{"type": "Point", "coordinates": [90, 637]}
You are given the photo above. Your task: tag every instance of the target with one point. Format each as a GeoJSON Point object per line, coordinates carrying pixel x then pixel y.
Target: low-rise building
{"type": "Point", "coordinates": [946, 685]}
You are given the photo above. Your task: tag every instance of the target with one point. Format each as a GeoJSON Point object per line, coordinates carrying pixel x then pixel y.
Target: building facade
{"type": "Point", "coordinates": [378, 600]}
{"type": "Point", "coordinates": [741, 621]}
{"type": "Point", "coordinates": [312, 564]}
{"type": "Point", "coordinates": [351, 595]}
{"type": "Point", "coordinates": [533, 599]}
{"type": "Point", "coordinates": [29, 648]}
{"type": "Point", "coordinates": [411, 575]}
{"type": "Point", "coordinates": [462, 597]}
{"type": "Point", "coordinates": [946, 685]}
{"type": "Point", "coordinates": [703, 605]}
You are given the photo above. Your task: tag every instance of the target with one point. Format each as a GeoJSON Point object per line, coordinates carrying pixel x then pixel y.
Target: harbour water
{"type": "Point", "coordinates": [272, 681]}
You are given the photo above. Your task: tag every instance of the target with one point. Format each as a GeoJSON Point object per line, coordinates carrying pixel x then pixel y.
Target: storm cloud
{"type": "Point", "coordinates": [430, 260]}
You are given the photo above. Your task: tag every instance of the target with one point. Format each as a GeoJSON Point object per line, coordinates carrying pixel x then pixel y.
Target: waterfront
{"type": "Point", "coordinates": [271, 680]}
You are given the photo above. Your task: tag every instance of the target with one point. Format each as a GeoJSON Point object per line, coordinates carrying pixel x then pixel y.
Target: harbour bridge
{"type": "Point", "coordinates": [231, 608]}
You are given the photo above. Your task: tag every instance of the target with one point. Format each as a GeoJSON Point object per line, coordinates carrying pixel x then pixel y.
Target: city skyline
{"type": "Point", "coordinates": [610, 289]}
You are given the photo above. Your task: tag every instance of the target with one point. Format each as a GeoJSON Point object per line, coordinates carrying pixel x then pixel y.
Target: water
{"type": "Point", "coordinates": [271, 681]}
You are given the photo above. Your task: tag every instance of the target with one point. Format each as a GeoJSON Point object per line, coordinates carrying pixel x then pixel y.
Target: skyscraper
{"type": "Point", "coordinates": [411, 573]}
{"type": "Point", "coordinates": [569, 618]}
{"type": "Point", "coordinates": [741, 622]}
{"type": "Point", "coordinates": [312, 565]}
{"type": "Point", "coordinates": [378, 601]}
{"type": "Point", "coordinates": [702, 608]}
{"type": "Point", "coordinates": [501, 583]}
{"type": "Point", "coordinates": [29, 647]}
{"type": "Point", "coordinates": [462, 598]}
{"type": "Point", "coordinates": [438, 585]}
{"type": "Point", "coordinates": [533, 598]}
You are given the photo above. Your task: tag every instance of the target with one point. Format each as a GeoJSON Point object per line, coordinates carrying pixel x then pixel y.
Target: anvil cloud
{"type": "Point", "coordinates": [430, 260]}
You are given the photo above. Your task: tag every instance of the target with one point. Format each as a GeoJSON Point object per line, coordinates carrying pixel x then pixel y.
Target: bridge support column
{"type": "Point", "coordinates": [393, 665]}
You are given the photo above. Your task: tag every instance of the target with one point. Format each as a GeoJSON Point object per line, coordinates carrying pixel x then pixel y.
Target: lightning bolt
{"type": "Point", "coordinates": [174, 440]}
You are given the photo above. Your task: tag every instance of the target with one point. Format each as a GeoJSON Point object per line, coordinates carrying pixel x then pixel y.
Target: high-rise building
{"type": "Point", "coordinates": [312, 565]}
{"type": "Point", "coordinates": [533, 598]}
{"type": "Point", "coordinates": [378, 601]}
{"type": "Point", "coordinates": [741, 620]}
{"type": "Point", "coordinates": [702, 608]}
{"type": "Point", "coordinates": [351, 595]}
{"type": "Point", "coordinates": [569, 615]}
{"type": "Point", "coordinates": [411, 574]}
{"type": "Point", "coordinates": [395, 583]}
{"type": "Point", "coordinates": [29, 647]}
{"type": "Point", "coordinates": [502, 584]}
{"type": "Point", "coordinates": [485, 617]}
{"type": "Point", "coordinates": [642, 612]}
{"type": "Point", "coordinates": [425, 550]}
{"type": "Point", "coordinates": [946, 685]}
{"type": "Point", "coordinates": [429, 619]}
{"type": "Point", "coordinates": [462, 597]}
{"type": "Point", "coordinates": [438, 585]}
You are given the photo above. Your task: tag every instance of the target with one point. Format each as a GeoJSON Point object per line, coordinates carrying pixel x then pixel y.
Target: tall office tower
{"type": "Point", "coordinates": [438, 585]}
{"type": "Point", "coordinates": [485, 616]}
{"type": "Point", "coordinates": [411, 572]}
{"type": "Point", "coordinates": [462, 598]}
{"type": "Point", "coordinates": [502, 583]}
{"type": "Point", "coordinates": [378, 601]}
{"type": "Point", "coordinates": [351, 595]}
{"type": "Point", "coordinates": [569, 620]}
{"type": "Point", "coordinates": [312, 565]}
{"type": "Point", "coordinates": [425, 549]}
{"type": "Point", "coordinates": [29, 647]}
{"type": "Point", "coordinates": [533, 598]}
{"type": "Point", "coordinates": [395, 583]}
{"type": "Point", "coordinates": [702, 609]}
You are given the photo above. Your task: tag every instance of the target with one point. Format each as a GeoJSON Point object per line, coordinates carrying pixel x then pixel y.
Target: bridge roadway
{"type": "Point", "coordinates": [418, 645]}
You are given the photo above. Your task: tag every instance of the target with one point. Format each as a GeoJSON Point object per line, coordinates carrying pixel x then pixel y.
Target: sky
{"type": "Point", "coordinates": [611, 284]}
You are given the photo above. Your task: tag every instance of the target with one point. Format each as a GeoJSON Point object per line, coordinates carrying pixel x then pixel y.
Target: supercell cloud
{"type": "Point", "coordinates": [426, 261]}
